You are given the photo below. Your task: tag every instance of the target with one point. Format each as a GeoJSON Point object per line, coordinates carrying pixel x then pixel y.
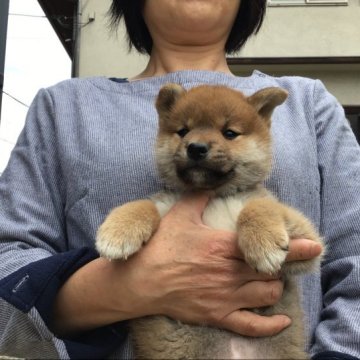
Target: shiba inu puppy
{"type": "Point", "coordinates": [215, 138]}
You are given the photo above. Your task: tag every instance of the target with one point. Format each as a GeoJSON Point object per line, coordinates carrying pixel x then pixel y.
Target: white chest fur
{"type": "Point", "coordinates": [220, 213]}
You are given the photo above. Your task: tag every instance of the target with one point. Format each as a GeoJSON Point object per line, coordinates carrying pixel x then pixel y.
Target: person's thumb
{"type": "Point", "coordinates": [192, 206]}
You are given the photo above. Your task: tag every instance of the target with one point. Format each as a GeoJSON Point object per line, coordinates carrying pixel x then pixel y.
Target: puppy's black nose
{"type": "Point", "coordinates": [197, 151]}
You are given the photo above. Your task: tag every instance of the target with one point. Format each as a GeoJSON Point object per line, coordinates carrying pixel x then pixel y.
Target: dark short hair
{"type": "Point", "coordinates": [248, 21]}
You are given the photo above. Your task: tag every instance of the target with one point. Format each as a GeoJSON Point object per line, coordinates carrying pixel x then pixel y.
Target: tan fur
{"type": "Point", "coordinates": [127, 228]}
{"type": "Point", "coordinates": [213, 137]}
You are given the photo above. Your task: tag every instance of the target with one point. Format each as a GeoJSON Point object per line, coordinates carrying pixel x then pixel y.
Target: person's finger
{"type": "Point", "coordinates": [235, 266]}
{"type": "Point", "coordinates": [247, 323]}
{"type": "Point", "coordinates": [255, 294]}
{"type": "Point", "coordinates": [303, 249]}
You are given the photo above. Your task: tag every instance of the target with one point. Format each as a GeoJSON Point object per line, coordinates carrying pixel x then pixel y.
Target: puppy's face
{"type": "Point", "coordinates": [214, 138]}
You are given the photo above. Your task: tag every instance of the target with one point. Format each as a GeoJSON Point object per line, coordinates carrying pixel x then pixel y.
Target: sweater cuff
{"type": "Point", "coordinates": [37, 284]}
{"type": "Point", "coordinates": [333, 355]}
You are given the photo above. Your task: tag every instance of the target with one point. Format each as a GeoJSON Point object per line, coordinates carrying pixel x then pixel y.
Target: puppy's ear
{"type": "Point", "coordinates": [266, 100]}
{"type": "Point", "coordinates": [168, 95]}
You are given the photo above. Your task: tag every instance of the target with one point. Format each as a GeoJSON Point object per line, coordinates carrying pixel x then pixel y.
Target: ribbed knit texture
{"type": "Point", "coordinates": [87, 146]}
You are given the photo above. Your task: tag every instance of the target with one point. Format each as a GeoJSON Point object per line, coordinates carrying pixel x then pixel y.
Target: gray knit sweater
{"type": "Point", "coordinates": [87, 146]}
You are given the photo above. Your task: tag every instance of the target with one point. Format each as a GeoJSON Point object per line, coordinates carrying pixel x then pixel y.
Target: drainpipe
{"type": "Point", "coordinates": [76, 39]}
{"type": "Point", "coordinates": [4, 14]}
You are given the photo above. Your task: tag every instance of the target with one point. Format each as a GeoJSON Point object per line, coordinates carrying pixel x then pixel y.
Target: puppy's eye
{"type": "Point", "coordinates": [182, 132]}
{"type": "Point", "coordinates": [230, 134]}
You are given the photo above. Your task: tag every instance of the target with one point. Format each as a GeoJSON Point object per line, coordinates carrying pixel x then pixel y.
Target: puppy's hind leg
{"type": "Point", "coordinates": [126, 229]}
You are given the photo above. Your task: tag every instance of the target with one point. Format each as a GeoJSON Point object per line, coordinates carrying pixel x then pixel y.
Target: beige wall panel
{"type": "Point", "coordinates": [103, 52]}
{"type": "Point", "coordinates": [308, 31]}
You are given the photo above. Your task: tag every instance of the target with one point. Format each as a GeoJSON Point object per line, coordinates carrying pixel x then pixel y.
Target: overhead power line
{"type": "Point", "coordinates": [15, 99]}
{"type": "Point", "coordinates": [28, 15]}
{"type": "Point", "coordinates": [62, 19]}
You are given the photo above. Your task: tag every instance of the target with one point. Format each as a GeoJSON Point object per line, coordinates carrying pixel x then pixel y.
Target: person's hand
{"type": "Point", "coordinates": [187, 271]}
{"type": "Point", "coordinates": [195, 274]}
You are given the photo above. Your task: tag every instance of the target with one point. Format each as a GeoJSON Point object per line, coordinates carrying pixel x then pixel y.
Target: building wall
{"type": "Point", "coordinates": [314, 31]}
{"type": "Point", "coordinates": [103, 52]}
{"type": "Point", "coordinates": [308, 31]}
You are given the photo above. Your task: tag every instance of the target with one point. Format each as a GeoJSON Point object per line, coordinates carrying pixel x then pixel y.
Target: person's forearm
{"type": "Point", "coordinates": [90, 299]}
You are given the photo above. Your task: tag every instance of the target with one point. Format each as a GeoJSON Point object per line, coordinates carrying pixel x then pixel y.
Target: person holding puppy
{"type": "Point", "coordinates": [87, 147]}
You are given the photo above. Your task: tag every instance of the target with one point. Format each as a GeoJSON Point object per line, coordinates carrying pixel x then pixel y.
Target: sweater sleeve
{"type": "Point", "coordinates": [34, 257]}
{"type": "Point", "coordinates": [339, 165]}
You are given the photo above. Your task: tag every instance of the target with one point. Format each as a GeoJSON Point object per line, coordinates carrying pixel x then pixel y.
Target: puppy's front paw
{"type": "Point", "coordinates": [115, 241]}
{"type": "Point", "coordinates": [265, 251]}
{"type": "Point", "coordinates": [126, 229]}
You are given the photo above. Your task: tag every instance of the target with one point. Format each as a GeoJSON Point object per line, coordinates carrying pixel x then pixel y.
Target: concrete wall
{"type": "Point", "coordinates": [320, 31]}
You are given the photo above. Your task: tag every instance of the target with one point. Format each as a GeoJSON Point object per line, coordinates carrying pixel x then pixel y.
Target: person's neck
{"type": "Point", "coordinates": [173, 59]}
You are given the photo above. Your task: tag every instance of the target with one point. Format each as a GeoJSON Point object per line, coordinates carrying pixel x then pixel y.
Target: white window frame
{"type": "Point", "coordinates": [306, 2]}
{"type": "Point", "coordinates": [285, 2]}
{"type": "Point", "coordinates": [327, 2]}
